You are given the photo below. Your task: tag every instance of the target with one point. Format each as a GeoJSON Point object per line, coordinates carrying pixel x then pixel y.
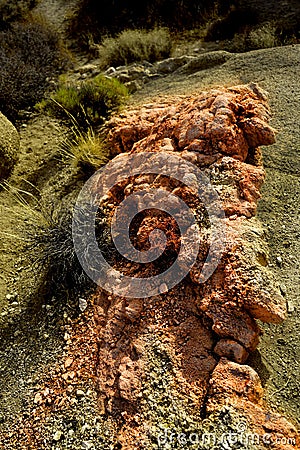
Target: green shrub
{"type": "Point", "coordinates": [245, 28]}
{"type": "Point", "coordinates": [30, 55]}
{"type": "Point", "coordinates": [12, 10]}
{"type": "Point", "coordinates": [88, 103]}
{"type": "Point", "coordinates": [262, 36]}
{"type": "Point", "coordinates": [135, 45]}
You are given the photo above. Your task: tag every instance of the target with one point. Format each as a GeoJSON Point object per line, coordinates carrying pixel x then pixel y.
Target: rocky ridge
{"type": "Point", "coordinates": [185, 348]}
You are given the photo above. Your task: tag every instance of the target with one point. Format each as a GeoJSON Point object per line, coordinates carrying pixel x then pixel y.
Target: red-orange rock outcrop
{"type": "Point", "coordinates": [219, 131]}
{"type": "Point", "coordinates": [163, 364]}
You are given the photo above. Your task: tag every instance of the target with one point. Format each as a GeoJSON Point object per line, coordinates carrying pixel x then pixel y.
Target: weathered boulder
{"type": "Point", "coordinates": [205, 61]}
{"type": "Point", "coordinates": [222, 122]}
{"type": "Point", "coordinates": [169, 65]}
{"type": "Point", "coordinates": [9, 146]}
{"type": "Point", "coordinates": [220, 132]}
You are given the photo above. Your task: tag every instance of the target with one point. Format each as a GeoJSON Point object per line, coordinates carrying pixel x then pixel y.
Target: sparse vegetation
{"type": "Point", "coordinates": [135, 46]}
{"type": "Point", "coordinates": [87, 150]}
{"type": "Point", "coordinates": [265, 35]}
{"type": "Point", "coordinates": [88, 103]}
{"type": "Point", "coordinates": [241, 29]}
{"type": "Point", "coordinates": [259, 37]}
{"type": "Point", "coordinates": [52, 252]}
{"type": "Point", "coordinates": [217, 20]}
{"type": "Point", "coordinates": [12, 10]}
{"type": "Point", "coordinates": [48, 243]}
{"type": "Point", "coordinates": [91, 22]}
{"type": "Point", "coordinates": [30, 54]}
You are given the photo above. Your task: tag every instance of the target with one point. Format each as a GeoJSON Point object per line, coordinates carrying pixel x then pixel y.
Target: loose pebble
{"type": "Point", "coordinates": [57, 436]}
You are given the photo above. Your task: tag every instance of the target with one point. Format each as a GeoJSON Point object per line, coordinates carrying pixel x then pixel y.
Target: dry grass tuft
{"type": "Point", "coordinates": [135, 46]}
{"type": "Point", "coordinates": [86, 150]}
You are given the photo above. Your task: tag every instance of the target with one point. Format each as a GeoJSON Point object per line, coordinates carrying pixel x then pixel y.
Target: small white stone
{"type": "Point", "coordinates": [57, 436]}
{"type": "Point", "coordinates": [163, 288]}
{"type": "Point", "coordinates": [283, 289]}
{"type": "Point", "coordinates": [86, 445]}
{"type": "Point", "coordinates": [279, 261]}
{"type": "Point", "coordinates": [110, 71]}
{"type": "Point", "coordinates": [82, 304]}
{"type": "Point", "coordinates": [80, 393]}
{"type": "Point", "coordinates": [85, 427]}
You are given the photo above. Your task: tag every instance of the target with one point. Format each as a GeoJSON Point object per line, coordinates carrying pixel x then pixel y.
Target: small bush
{"type": "Point", "coordinates": [135, 46]}
{"type": "Point", "coordinates": [12, 10]}
{"type": "Point", "coordinates": [244, 28]}
{"type": "Point", "coordinates": [29, 54]}
{"type": "Point", "coordinates": [263, 36]}
{"type": "Point", "coordinates": [52, 252]}
{"type": "Point", "coordinates": [88, 103]}
{"type": "Point", "coordinates": [90, 21]}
